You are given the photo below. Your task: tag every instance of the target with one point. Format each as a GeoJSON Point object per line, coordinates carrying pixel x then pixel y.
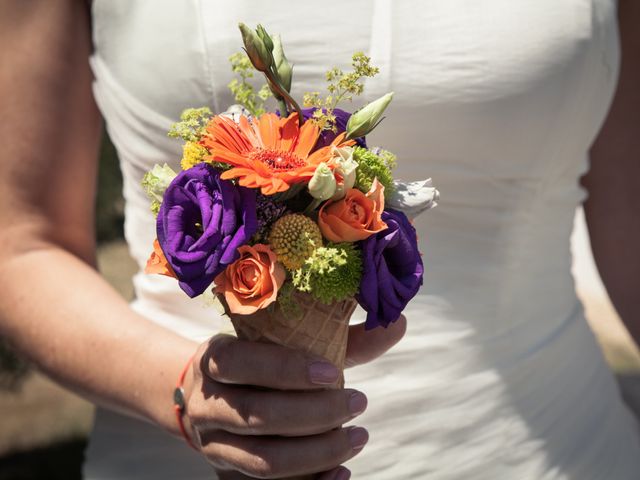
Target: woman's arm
{"type": "Point", "coordinates": [56, 309]}
{"type": "Point", "coordinates": [613, 207]}
{"type": "Point", "coordinates": [54, 305]}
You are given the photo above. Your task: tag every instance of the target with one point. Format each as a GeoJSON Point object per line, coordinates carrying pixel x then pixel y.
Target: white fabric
{"type": "Point", "coordinates": [499, 376]}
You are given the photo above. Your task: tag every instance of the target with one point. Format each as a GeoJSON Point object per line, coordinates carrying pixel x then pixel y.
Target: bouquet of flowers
{"type": "Point", "coordinates": [288, 216]}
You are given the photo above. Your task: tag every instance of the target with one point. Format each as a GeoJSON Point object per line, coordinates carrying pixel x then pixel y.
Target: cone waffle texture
{"type": "Point", "coordinates": [314, 327]}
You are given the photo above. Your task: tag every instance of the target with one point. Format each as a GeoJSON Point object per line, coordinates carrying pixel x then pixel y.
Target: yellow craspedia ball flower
{"type": "Point", "coordinates": [294, 238]}
{"type": "Point", "coordinates": [192, 154]}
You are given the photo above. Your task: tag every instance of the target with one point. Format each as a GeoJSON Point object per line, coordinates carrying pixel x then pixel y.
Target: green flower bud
{"type": "Point", "coordinates": [265, 37]}
{"type": "Point", "coordinates": [345, 169]}
{"type": "Point", "coordinates": [155, 182]}
{"type": "Point", "coordinates": [283, 67]}
{"type": "Point", "coordinates": [322, 185]}
{"type": "Point", "coordinates": [256, 50]}
{"type": "Point", "coordinates": [367, 118]}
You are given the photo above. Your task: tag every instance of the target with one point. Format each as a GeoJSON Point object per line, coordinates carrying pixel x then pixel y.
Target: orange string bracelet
{"type": "Point", "coordinates": [179, 404]}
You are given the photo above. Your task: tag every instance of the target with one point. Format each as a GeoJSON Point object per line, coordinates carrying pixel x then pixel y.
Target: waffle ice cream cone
{"type": "Point", "coordinates": [315, 327]}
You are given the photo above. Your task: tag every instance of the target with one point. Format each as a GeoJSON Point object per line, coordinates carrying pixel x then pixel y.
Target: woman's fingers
{"type": "Point", "coordinates": [247, 411]}
{"type": "Point", "coordinates": [227, 359]}
{"type": "Point", "coordinates": [278, 457]}
{"type": "Point", "coordinates": [340, 473]}
{"type": "Point", "coordinates": [365, 346]}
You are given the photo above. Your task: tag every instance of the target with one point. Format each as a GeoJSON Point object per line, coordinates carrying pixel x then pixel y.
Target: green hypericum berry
{"type": "Point", "coordinates": [374, 165]}
{"type": "Point", "coordinates": [331, 274]}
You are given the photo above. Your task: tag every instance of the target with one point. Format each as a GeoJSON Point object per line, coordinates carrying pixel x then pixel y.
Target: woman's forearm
{"type": "Point", "coordinates": [54, 306]}
{"type": "Point", "coordinates": [59, 312]}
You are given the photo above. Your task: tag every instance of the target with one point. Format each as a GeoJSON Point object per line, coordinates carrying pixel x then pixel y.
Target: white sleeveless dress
{"type": "Point", "coordinates": [499, 376]}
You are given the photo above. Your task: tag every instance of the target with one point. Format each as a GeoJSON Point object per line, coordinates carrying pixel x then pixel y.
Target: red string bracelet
{"type": "Point", "coordinates": [179, 405]}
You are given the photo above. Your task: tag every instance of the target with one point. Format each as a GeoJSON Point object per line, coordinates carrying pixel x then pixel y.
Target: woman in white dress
{"type": "Point", "coordinates": [498, 376]}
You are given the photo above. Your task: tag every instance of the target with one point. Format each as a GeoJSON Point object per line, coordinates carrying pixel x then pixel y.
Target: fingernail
{"type": "Point", "coordinates": [340, 473]}
{"type": "Point", "coordinates": [358, 437]}
{"type": "Point", "coordinates": [323, 373]}
{"type": "Point", "coordinates": [343, 474]}
{"type": "Point", "coordinates": [357, 403]}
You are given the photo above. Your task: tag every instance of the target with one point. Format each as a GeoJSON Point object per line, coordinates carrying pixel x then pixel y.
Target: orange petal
{"type": "Point", "coordinates": [247, 130]}
{"type": "Point", "coordinates": [258, 260]}
{"type": "Point", "coordinates": [268, 125]}
{"type": "Point", "coordinates": [223, 132]}
{"type": "Point", "coordinates": [157, 262]}
{"type": "Point", "coordinates": [321, 155]}
{"type": "Point", "coordinates": [227, 156]}
{"type": "Point", "coordinates": [376, 194]}
{"type": "Point", "coordinates": [336, 230]}
{"type": "Point", "coordinates": [307, 138]}
{"type": "Point", "coordinates": [289, 131]}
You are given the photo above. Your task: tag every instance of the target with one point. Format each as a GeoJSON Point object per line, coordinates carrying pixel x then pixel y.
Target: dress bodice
{"type": "Point", "coordinates": [498, 101]}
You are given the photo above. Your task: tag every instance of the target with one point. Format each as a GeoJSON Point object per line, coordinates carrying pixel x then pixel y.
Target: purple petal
{"type": "Point", "coordinates": [201, 223]}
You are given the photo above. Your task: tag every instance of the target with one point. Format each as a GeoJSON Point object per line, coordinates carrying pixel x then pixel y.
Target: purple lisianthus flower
{"type": "Point", "coordinates": [392, 270]}
{"type": "Point", "coordinates": [201, 223]}
{"type": "Point", "coordinates": [328, 136]}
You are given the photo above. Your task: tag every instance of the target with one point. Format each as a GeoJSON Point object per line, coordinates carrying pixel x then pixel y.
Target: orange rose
{"type": "Point", "coordinates": [157, 262]}
{"type": "Point", "coordinates": [251, 282]}
{"type": "Point", "coordinates": [355, 217]}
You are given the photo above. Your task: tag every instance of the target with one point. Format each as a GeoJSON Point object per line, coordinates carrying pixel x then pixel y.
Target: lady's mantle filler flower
{"type": "Point", "coordinates": [392, 270]}
{"type": "Point", "coordinates": [252, 282]}
{"type": "Point", "coordinates": [269, 153]}
{"type": "Point", "coordinates": [202, 222]}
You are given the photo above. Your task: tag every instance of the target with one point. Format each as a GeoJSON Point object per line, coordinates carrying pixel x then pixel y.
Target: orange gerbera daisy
{"type": "Point", "coordinates": [270, 153]}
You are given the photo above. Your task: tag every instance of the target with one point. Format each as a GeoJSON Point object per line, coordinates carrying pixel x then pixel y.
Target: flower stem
{"type": "Point", "coordinates": [275, 83]}
{"type": "Point", "coordinates": [315, 203]}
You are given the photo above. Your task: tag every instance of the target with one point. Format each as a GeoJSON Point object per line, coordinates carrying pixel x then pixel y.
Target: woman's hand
{"type": "Point", "coordinates": [269, 412]}
{"type": "Point", "coordinates": [266, 411]}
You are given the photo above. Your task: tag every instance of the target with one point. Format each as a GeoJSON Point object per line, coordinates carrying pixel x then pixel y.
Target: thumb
{"type": "Point", "coordinates": [364, 346]}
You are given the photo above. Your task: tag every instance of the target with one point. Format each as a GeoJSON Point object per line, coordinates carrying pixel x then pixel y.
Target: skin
{"type": "Point", "coordinates": [57, 309]}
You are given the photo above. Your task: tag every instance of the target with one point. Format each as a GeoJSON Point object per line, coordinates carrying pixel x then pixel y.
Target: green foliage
{"type": "Point", "coordinates": [341, 87]}
{"type": "Point", "coordinates": [242, 89]}
{"type": "Point", "coordinates": [374, 165]}
{"type": "Point", "coordinates": [331, 274]}
{"type": "Point", "coordinates": [287, 302]}
{"type": "Point", "coordinates": [191, 125]}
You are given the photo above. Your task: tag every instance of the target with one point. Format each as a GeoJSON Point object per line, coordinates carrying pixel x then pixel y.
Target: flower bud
{"type": "Point", "coordinates": [322, 185]}
{"type": "Point", "coordinates": [283, 67]}
{"type": "Point", "coordinates": [256, 50]}
{"type": "Point", "coordinates": [345, 171]}
{"type": "Point", "coordinates": [367, 118]}
{"type": "Point", "coordinates": [265, 37]}
{"type": "Point", "coordinates": [156, 181]}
